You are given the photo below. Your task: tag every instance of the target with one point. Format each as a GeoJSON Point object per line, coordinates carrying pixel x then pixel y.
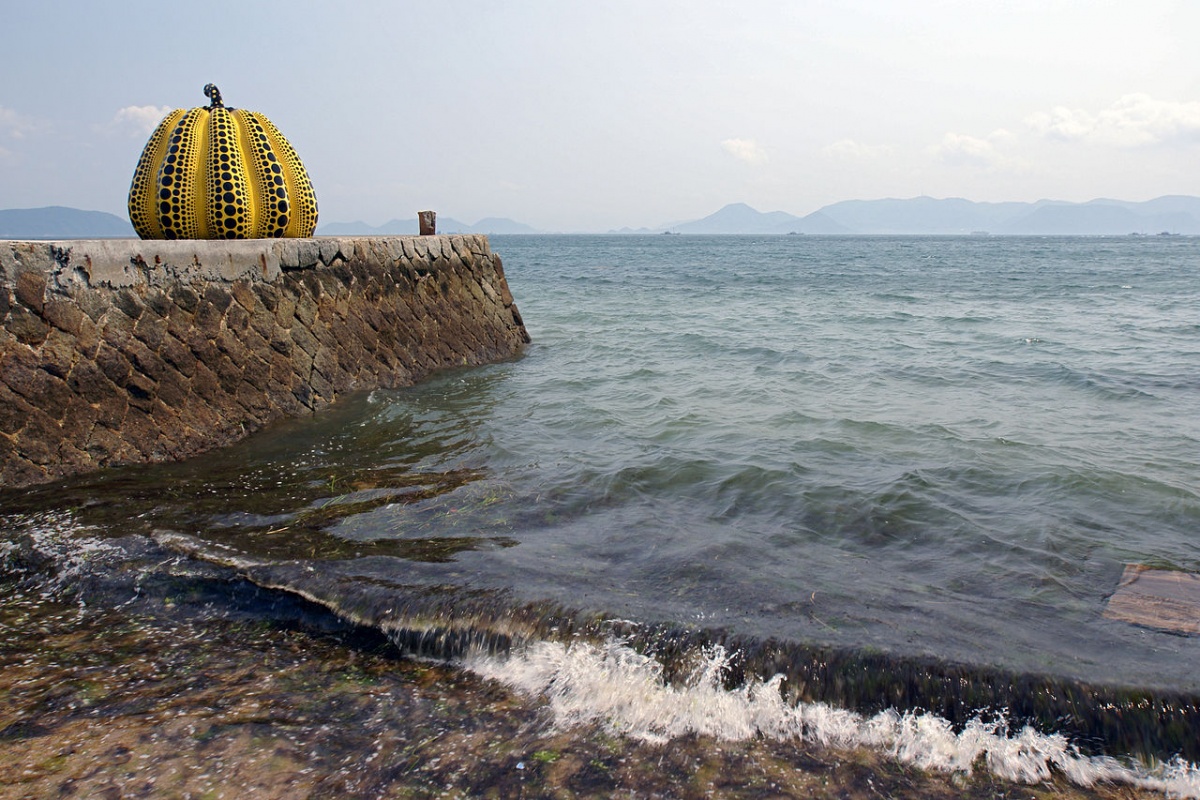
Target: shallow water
{"type": "Point", "coordinates": [856, 462]}
{"type": "Point", "coordinates": [233, 693]}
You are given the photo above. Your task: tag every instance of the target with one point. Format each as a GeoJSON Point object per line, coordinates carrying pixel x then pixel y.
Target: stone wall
{"type": "Point", "coordinates": [123, 351]}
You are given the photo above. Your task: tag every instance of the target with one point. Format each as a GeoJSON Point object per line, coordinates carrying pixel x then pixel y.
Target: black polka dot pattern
{"type": "Point", "coordinates": [230, 210]}
{"type": "Point", "coordinates": [267, 169]}
{"type": "Point", "coordinates": [177, 178]}
{"type": "Point", "coordinates": [218, 173]}
{"type": "Point", "coordinates": [143, 192]}
{"type": "Point", "coordinates": [302, 200]}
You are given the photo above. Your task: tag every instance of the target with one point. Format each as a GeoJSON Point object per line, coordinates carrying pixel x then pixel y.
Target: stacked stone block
{"type": "Point", "coordinates": [115, 352]}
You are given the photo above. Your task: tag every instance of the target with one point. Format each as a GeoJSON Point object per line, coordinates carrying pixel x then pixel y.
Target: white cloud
{"type": "Point", "coordinates": [1068, 124]}
{"type": "Point", "coordinates": [1135, 120]}
{"type": "Point", "coordinates": [850, 150]}
{"type": "Point", "coordinates": [746, 150]}
{"type": "Point", "coordinates": [139, 120]}
{"type": "Point", "coordinates": [960, 149]}
{"type": "Point", "coordinates": [15, 125]}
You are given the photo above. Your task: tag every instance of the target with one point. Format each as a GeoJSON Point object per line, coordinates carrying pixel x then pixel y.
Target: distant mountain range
{"type": "Point", "coordinates": [918, 215]}
{"type": "Point", "coordinates": [927, 215]}
{"type": "Point", "coordinates": [410, 227]}
{"type": "Point", "coordinates": [60, 222]}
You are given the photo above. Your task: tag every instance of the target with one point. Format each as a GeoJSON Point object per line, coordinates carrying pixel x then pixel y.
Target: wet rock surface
{"type": "Point", "coordinates": [167, 698]}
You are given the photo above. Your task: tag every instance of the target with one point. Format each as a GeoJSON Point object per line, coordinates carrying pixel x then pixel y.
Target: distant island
{"type": "Point", "coordinates": [1177, 214]}
{"type": "Point", "coordinates": [956, 216]}
{"type": "Point", "coordinates": [398, 227]}
{"type": "Point", "coordinates": [60, 222]}
{"type": "Point", "coordinates": [1173, 214]}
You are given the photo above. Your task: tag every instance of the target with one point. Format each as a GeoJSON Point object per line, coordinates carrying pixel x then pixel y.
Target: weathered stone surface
{"type": "Point", "coordinates": [123, 351]}
{"type": "Point", "coordinates": [1168, 600]}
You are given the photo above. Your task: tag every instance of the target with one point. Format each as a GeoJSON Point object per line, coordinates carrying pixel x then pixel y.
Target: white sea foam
{"type": "Point", "coordinates": [624, 690]}
{"type": "Point", "coordinates": [70, 546]}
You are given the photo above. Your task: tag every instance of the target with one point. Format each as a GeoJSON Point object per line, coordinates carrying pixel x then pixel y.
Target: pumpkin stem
{"type": "Point", "coordinates": [214, 94]}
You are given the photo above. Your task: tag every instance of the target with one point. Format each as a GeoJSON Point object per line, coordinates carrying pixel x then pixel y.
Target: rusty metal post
{"type": "Point", "coordinates": [428, 221]}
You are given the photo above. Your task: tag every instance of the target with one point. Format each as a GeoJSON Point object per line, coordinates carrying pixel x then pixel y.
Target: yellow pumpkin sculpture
{"type": "Point", "coordinates": [219, 173]}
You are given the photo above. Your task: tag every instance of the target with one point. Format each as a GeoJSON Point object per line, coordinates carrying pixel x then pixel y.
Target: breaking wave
{"type": "Point", "coordinates": [615, 686]}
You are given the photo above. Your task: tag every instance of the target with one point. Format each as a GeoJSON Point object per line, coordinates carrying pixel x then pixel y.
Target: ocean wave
{"type": "Point", "coordinates": [616, 686]}
{"type": "Point", "coordinates": [657, 683]}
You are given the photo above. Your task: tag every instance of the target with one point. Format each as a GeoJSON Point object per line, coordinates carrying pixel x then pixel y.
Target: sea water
{"type": "Point", "coordinates": [859, 490]}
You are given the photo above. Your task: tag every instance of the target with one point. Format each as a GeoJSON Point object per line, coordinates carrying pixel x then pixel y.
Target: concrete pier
{"type": "Point", "coordinates": [126, 351]}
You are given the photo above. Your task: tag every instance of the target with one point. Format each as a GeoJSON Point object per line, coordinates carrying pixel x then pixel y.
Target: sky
{"type": "Point", "coordinates": [591, 116]}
